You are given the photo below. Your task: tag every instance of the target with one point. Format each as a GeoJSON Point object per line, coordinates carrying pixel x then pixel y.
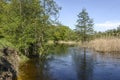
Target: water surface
{"type": "Point", "coordinates": [72, 63]}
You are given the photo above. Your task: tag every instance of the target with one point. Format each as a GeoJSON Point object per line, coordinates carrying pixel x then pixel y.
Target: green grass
{"type": "Point", "coordinates": [23, 58]}
{"type": "Point", "coordinates": [5, 43]}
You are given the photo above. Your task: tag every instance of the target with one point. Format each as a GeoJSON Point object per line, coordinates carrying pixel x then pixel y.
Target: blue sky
{"type": "Point", "coordinates": [106, 13]}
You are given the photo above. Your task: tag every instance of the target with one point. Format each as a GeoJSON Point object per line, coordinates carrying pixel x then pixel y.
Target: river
{"type": "Point", "coordinates": [72, 63]}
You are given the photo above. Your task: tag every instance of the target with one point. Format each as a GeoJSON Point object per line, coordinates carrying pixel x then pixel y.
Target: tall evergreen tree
{"type": "Point", "coordinates": [84, 25]}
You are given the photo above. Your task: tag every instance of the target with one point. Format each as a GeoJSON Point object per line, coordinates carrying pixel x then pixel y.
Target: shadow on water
{"type": "Point", "coordinates": [34, 70]}
{"type": "Point", "coordinates": [83, 63]}
{"type": "Point", "coordinates": [60, 49]}
{"type": "Point", "coordinates": [38, 69]}
{"type": "Point", "coordinates": [72, 63]}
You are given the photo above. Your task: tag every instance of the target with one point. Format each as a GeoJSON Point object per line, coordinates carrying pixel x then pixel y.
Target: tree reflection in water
{"type": "Point", "coordinates": [83, 62]}
{"type": "Point", "coordinates": [73, 63]}
{"type": "Point", "coordinates": [34, 70]}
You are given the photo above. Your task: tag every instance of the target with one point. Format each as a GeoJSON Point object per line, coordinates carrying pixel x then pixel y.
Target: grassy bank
{"type": "Point", "coordinates": [10, 58]}
{"type": "Point", "coordinates": [105, 45]}
{"type": "Point", "coordinates": [4, 44]}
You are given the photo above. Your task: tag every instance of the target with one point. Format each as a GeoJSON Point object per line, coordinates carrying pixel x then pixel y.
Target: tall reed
{"type": "Point", "coordinates": [105, 44]}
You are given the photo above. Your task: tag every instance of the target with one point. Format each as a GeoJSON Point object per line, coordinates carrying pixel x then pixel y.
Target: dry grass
{"type": "Point", "coordinates": [69, 42]}
{"type": "Point", "coordinates": [66, 42]}
{"type": "Point", "coordinates": [105, 45]}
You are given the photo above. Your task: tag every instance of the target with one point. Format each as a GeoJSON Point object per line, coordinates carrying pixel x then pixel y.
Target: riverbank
{"type": "Point", "coordinates": [66, 42]}
{"type": "Point", "coordinates": [105, 45]}
{"type": "Point", "coordinates": [9, 60]}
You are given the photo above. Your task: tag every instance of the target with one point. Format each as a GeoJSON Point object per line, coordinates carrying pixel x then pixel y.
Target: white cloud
{"type": "Point", "coordinates": [106, 25]}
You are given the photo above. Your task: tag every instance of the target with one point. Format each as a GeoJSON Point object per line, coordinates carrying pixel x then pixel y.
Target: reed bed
{"type": "Point", "coordinates": [105, 45]}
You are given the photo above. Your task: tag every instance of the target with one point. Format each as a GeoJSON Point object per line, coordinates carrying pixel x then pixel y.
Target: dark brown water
{"type": "Point", "coordinates": [72, 63]}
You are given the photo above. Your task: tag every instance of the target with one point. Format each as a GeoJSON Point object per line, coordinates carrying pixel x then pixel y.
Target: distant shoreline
{"type": "Point", "coordinates": [66, 42]}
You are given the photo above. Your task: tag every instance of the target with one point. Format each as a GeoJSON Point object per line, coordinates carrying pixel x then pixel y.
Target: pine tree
{"type": "Point", "coordinates": [84, 25]}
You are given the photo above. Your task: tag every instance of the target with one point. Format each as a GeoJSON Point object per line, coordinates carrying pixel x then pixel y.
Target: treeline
{"type": "Point", "coordinates": [112, 33]}
{"type": "Point", "coordinates": [106, 42]}
{"type": "Point", "coordinates": [61, 32]}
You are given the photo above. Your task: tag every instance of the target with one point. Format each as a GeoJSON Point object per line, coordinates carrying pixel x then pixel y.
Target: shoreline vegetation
{"type": "Point", "coordinates": [65, 42]}
{"type": "Point", "coordinates": [105, 45]}
{"type": "Point", "coordinates": [10, 58]}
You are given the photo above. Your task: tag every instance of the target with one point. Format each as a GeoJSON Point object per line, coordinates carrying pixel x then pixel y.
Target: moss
{"type": "Point", "coordinates": [23, 58]}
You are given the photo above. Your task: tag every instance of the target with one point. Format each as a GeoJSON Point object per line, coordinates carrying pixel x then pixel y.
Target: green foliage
{"type": "Point", "coordinates": [29, 24]}
{"type": "Point", "coordinates": [59, 32]}
{"type": "Point", "coordinates": [112, 33]}
{"type": "Point", "coordinates": [84, 25]}
{"type": "Point", "coordinates": [4, 43]}
{"type": "Point", "coordinates": [24, 22]}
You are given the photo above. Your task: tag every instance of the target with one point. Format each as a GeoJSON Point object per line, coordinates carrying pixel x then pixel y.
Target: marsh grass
{"type": "Point", "coordinates": [105, 45]}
